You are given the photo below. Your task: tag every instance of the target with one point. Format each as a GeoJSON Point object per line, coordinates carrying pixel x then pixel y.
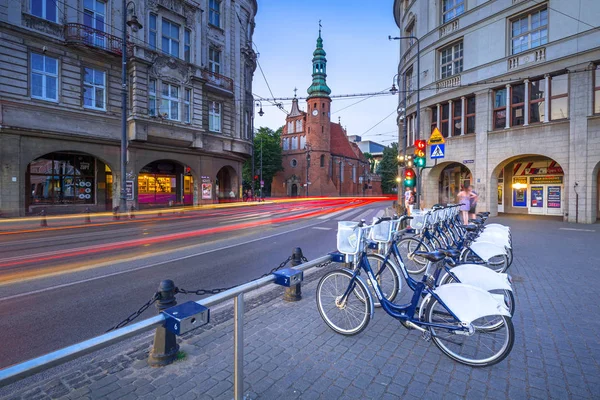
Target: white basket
{"type": "Point", "coordinates": [419, 219]}
{"type": "Point", "coordinates": [382, 232]}
{"type": "Point", "coordinates": [349, 237]}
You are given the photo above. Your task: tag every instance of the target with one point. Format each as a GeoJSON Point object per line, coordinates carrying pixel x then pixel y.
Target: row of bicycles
{"type": "Point", "coordinates": [462, 297]}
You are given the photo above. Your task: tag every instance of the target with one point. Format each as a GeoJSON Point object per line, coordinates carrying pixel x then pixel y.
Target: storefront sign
{"type": "Point", "coordinates": [129, 187]}
{"type": "Point", "coordinates": [520, 179]}
{"type": "Point", "coordinates": [545, 179]}
{"type": "Point", "coordinates": [554, 196]}
{"type": "Point", "coordinates": [537, 196]}
{"type": "Point", "coordinates": [206, 188]}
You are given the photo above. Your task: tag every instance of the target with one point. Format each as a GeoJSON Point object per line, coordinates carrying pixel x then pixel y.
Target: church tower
{"type": "Point", "coordinates": [318, 109]}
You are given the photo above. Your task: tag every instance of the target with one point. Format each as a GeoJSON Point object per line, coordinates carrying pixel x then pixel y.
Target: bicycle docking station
{"type": "Point", "coordinates": [186, 317]}
{"type": "Point", "coordinates": [288, 277]}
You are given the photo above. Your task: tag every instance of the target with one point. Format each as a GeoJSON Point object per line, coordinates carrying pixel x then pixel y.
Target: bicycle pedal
{"type": "Point", "coordinates": [426, 336]}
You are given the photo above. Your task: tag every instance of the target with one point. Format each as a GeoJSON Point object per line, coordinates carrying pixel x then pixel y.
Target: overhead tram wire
{"type": "Point", "coordinates": [386, 117]}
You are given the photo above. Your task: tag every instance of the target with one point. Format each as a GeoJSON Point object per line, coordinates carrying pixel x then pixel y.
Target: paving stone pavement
{"type": "Point", "coordinates": [291, 354]}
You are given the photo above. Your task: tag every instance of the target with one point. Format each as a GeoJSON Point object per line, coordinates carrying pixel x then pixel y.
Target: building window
{"type": "Point", "coordinates": [152, 34]}
{"type": "Point", "coordinates": [517, 105]}
{"type": "Point", "coordinates": [294, 143]}
{"type": "Point", "coordinates": [187, 46]}
{"type": "Point", "coordinates": [452, 9]}
{"type": "Point", "coordinates": [214, 13]}
{"type": "Point", "coordinates": [169, 102]}
{"type": "Point", "coordinates": [286, 144]}
{"type": "Point", "coordinates": [214, 116]}
{"type": "Point", "coordinates": [152, 97]}
{"type": "Point", "coordinates": [597, 90]}
{"type": "Point", "coordinates": [303, 142]}
{"type": "Point", "coordinates": [94, 89]}
{"type": "Point", "coordinates": [559, 97]}
{"type": "Point", "coordinates": [294, 162]}
{"type": "Point", "coordinates": [290, 127]}
{"type": "Point", "coordinates": [93, 18]}
{"type": "Point", "coordinates": [299, 125]}
{"type": "Point", "coordinates": [537, 97]}
{"type": "Point", "coordinates": [434, 114]}
{"type": "Point", "coordinates": [187, 116]}
{"type": "Point", "coordinates": [445, 118]}
{"type": "Point", "coordinates": [214, 60]}
{"type": "Point", "coordinates": [529, 31]}
{"type": "Point", "coordinates": [451, 60]}
{"type": "Point", "coordinates": [170, 38]}
{"type": "Point", "coordinates": [470, 115]}
{"type": "Point", "coordinates": [44, 9]}
{"type": "Point", "coordinates": [500, 108]}
{"type": "Point", "coordinates": [354, 173]}
{"type": "Point", "coordinates": [44, 77]}
{"type": "Point", "coordinates": [409, 80]}
{"type": "Point", "coordinates": [410, 31]}
{"type": "Point", "coordinates": [322, 160]}
{"type": "Point", "coordinates": [456, 117]}
{"type": "Point", "coordinates": [247, 125]}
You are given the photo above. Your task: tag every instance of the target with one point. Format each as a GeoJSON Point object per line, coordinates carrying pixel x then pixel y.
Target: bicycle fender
{"type": "Point", "coordinates": [487, 250]}
{"type": "Point", "coordinates": [481, 277]}
{"type": "Point", "coordinates": [499, 226]}
{"type": "Point", "coordinates": [372, 308]}
{"type": "Point", "coordinates": [493, 240]}
{"type": "Point", "coordinates": [469, 303]}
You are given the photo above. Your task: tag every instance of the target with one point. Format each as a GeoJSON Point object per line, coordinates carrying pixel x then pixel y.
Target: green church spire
{"type": "Point", "coordinates": [319, 86]}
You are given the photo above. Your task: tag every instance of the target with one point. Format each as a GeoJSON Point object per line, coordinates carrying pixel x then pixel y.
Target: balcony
{"type": "Point", "coordinates": [448, 83]}
{"type": "Point", "coordinates": [80, 34]}
{"type": "Point", "coordinates": [535, 56]}
{"type": "Point", "coordinates": [217, 80]}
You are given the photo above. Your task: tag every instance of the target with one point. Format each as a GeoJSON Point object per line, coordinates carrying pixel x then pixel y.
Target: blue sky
{"type": "Point", "coordinates": [360, 59]}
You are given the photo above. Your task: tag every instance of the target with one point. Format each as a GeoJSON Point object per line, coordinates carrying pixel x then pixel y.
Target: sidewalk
{"type": "Point", "coordinates": [290, 353]}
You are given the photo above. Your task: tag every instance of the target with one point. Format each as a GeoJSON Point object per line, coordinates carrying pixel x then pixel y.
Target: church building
{"type": "Point", "coordinates": [318, 158]}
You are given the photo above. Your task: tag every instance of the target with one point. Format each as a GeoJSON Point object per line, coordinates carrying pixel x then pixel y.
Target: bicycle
{"type": "Point", "coordinates": [457, 316]}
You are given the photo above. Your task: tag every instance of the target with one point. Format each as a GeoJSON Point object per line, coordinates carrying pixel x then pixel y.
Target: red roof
{"type": "Point", "coordinates": [341, 146]}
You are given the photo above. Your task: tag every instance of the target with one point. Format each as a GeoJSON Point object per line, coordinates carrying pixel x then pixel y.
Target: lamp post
{"type": "Point", "coordinates": [253, 172]}
{"type": "Point", "coordinates": [418, 133]}
{"type": "Point", "coordinates": [134, 24]}
{"type": "Point", "coordinates": [308, 150]}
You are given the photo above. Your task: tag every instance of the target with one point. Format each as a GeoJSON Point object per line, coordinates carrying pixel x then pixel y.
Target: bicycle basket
{"type": "Point", "coordinates": [382, 232]}
{"type": "Point", "coordinates": [349, 237]}
{"type": "Point", "coordinates": [418, 220]}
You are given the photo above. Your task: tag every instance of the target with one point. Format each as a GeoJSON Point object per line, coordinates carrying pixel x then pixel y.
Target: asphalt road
{"type": "Point", "coordinates": [59, 287]}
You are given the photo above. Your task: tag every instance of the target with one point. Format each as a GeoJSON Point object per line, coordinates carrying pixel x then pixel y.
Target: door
{"type": "Point", "coordinates": [537, 199]}
{"type": "Point", "coordinates": [546, 199]}
{"type": "Point", "coordinates": [294, 190]}
{"type": "Point", "coordinates": [501, 197]}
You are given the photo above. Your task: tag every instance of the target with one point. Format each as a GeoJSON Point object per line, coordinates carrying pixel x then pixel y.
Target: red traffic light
{"type": "Point", "coordinates": [255, 177]}
{"type": "Point", "coordinates": [420, 144]}
{"type": "Point", "coordinates": [409, 173]}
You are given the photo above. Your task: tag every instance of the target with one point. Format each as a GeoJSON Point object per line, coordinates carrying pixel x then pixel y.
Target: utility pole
{"type": "Point", "coordinates": [261, 168]}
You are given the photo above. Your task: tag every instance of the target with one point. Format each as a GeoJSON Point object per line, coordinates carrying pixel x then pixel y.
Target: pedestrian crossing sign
{"type": "Point", "coordinates": [437, 151]}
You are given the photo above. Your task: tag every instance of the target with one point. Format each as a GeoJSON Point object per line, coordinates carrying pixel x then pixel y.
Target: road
{"type": "Point", "coordinates": [62, 285]}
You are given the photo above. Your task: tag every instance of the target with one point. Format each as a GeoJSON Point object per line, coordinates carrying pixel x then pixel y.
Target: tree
{"type": "Point", "coordinates": [388, 168]}
{"type": "Point", "coordinates": [271, 158]}
{"type": "Point", "coordinates": [369, 157]}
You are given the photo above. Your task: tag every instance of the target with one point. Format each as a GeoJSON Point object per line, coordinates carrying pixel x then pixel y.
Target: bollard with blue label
{"type": "Point", "coordinates": [165, 348]}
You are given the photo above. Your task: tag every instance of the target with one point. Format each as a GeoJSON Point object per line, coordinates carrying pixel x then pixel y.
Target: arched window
{"type": "Point", "coordinates": [322, 160]}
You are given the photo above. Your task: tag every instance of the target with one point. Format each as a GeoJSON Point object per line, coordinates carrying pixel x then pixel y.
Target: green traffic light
{"type": "Point", "coordinates": [420, 162]}
{"type": "Point", "coordinates": [409, 182]}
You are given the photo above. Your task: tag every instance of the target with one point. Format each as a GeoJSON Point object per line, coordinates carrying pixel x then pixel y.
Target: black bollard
{"type": "Point", "coordinates": [131, 212]}
{"type": "Point", "coordinates": [294, 293]}
{"type": "Point", "coordinates": [116, 214]}
{"type": "Point", "coordinates": [87, 219]}
{"type": "Point", "coordinates": [43, 222]}
{"type": "Point", "coordinates": [165, 348]}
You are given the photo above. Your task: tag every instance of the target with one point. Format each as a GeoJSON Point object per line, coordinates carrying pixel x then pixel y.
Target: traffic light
{"type": "Point", "coordinates": [409, 177]}
{"type": "Point", "coordinates": [420, 158]}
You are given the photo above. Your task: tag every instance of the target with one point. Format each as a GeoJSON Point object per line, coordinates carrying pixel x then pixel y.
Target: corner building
{"type": "Point", "coordinates": [514, 87]}
{"type": "Point", "coordinates": [189, 102]}
{"type": "Point", "coordinates": [318, 159]}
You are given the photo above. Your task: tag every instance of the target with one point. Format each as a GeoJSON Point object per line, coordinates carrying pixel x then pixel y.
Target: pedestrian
{"type": "Point", "coordinates": [232, 195]}
{"type": "Point", "coordinates": [465, 204]}
{"type": "Point", "coordinates": [245, 195]}
{"type": "Point", "coordinates": [409, 200]}
{"type": "Point", "coordinates": [473, 196]}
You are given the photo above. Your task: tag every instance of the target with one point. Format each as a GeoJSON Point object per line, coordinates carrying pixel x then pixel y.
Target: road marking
{"type": "Point", "coordinates": [150, 265]}
{"type": "Point", "coordinates": [323, 228]}
{"type": "Point", "coordinates": [332, 214]}
{"type": "Point", "coordinates": [578, 230]}
{"type": "Point", "coordinates": [348, 215]}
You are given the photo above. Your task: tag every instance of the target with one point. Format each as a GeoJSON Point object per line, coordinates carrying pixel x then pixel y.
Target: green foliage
{"type": "Point", "coordinates": [271, 158]}
{"type": "Point", "coordinates": [388, 168]}
{"type": "Point", "coordinates": [369, 157]}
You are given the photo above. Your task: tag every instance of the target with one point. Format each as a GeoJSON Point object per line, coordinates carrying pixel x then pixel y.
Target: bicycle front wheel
{"type": "Point", "coordinates": [414, 264]}
{"type": "Point", "coordinates": [349, 315]}
{"type": "Point", "coordinates": [489, 343]}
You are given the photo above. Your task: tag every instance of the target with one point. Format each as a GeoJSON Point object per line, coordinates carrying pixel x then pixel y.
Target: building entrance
{"type": "Point", "coordinates": [454, 177]}
{"type": "Point", "coordinates": [165, 183]}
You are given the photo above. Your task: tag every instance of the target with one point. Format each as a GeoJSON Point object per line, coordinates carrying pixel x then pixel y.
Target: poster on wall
{"type": "Point", "coordinates": [554, 196]}
{"type": "Point", "coordinates": [537, 196]}
{"type": "Point", "coordinates": [519, 197]}
{"type": "Point", "coordinates": [206, 188]}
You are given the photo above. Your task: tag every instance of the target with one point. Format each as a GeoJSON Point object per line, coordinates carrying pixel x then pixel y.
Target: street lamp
{"type": "Point", "coordinates": [135, 26]}
{"type": "Point", "coordinates": [253, 172]}
{"type": "Point", "coordinates": [418, 133]}
{"type": "Point", "coordinates": [308, 150]}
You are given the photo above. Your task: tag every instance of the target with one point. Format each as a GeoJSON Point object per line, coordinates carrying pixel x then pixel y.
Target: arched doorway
{"type": "Point", "coordinates": [227, 184]}
{"type": "Point", "coordinates": [67, 178]}
{"type": "Point", "coordinates": [165, 182]}
{"type": "Point", "coordinates": [452, 178]}
{"type": "Point", "coordinates": [294, 190]}
{"type": "Point", "coordinates": [530, 184]}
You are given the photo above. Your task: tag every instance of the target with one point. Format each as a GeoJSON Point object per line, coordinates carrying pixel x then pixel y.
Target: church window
{"type": "Point", "coordinates": [286, 145]}
{"type": "Point", "coordinates": [315, 105]}
{"type": "Point", "coordinates": [309, 129]}
{"type": "Point", "coordinates": [299, 125]}
{"type": "Point", "coordinates": [322, 129]}
{"type": "Point", "coordinates": [302, 142]}
{"type": "Point", "coordinates": [322, 160]}
{"type": "Point", "coordinates": [290, 127]}
{"type": "Point", "coordinates": [294, 162]}
{"type": "Point", "coordinates": [295, 143]}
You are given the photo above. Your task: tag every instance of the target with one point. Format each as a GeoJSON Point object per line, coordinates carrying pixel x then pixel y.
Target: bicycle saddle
{"type": "Point", "coordinates": [476, 220]}
{"type": "Point", "coordinates": [450, 252]}
{"type": "Point", "coordinates": [483, 214]}
{"type": "Point", "coordinates": [433, 256]}
{"type": "Point", "coordinates": [470, 228]}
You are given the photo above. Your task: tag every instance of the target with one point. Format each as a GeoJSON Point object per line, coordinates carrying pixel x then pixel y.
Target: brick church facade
{"type": "Point", "coordinates": [317, 151]}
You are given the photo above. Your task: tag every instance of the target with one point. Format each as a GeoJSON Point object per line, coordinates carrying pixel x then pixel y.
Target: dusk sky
{"type": "Point", "coordinates": [360, 59]}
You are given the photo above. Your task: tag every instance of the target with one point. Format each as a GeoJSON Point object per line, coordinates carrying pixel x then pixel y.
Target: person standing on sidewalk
{"type": "Point", "coordinates": [465, 204]}
{"type": "Point", "coordinates": [409, 200]}
{"type": "Point", "coordinates": [473, 196]}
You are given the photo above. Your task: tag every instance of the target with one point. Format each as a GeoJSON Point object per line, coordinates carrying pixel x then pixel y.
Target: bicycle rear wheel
{"type": "Point", "coordinates": [414, 264]}
{"type": "Point", "coordinates": [347, 316]}
{"type": "Point", "coordinates": [387, 276]}
{"type": "Point", "coordinates": [489, 343]}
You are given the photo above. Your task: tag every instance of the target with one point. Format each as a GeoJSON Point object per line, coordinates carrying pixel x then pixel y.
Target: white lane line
{"type": "Point", "coordinates": [332, 214]}
{"type": "Point", "coordinates": [323, 228]}
{"type": "Point", "coordinates": [152, 265]}
{"type": "Point", "coordinates": [578, 230]}
{"type": "Point", "coordinates": [348, 215]}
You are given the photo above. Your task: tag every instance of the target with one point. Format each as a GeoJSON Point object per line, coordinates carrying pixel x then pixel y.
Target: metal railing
{"type": "Point", "coordinates": [82, 34]}
{"type": "Point", "coordinates": [28, 368]}
{"type": "Point", "coordinates": [219, 80]}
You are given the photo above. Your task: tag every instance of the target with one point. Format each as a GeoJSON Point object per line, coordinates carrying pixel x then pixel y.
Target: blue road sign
{"type": "Point", "coordinates": [437, 151]}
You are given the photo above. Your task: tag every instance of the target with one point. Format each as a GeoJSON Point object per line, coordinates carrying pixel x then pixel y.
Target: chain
{"type": "Point", "coordinates": [202, 292]}
{"type": "Point", "coordinates": [283, 264]}
{"type": "Point", "coordinates": [137, 313]}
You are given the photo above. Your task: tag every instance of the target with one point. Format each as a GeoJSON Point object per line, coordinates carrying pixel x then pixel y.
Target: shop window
{"type": "Point", "coordinates": [470, 115]}
{"type": "Point", "coordinates": [517, 104]}
{"type": "Point", "coordinates": [500, 108]}
{"type": "Point", "coordinates": [559, 97]}
{"type": "Point", "coordinates": [537, 101]}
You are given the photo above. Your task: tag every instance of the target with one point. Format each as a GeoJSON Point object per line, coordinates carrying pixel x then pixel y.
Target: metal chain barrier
{"type": "Point", "coordinates": [137, 313]}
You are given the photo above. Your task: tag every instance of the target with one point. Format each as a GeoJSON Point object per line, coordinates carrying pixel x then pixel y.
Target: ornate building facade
{"type": "Point", "coordinates": [514, 88]}
{"type": "Point", "coordinates": [318, 158]}
{"type": "Point", "coordinates": [189, 108]}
